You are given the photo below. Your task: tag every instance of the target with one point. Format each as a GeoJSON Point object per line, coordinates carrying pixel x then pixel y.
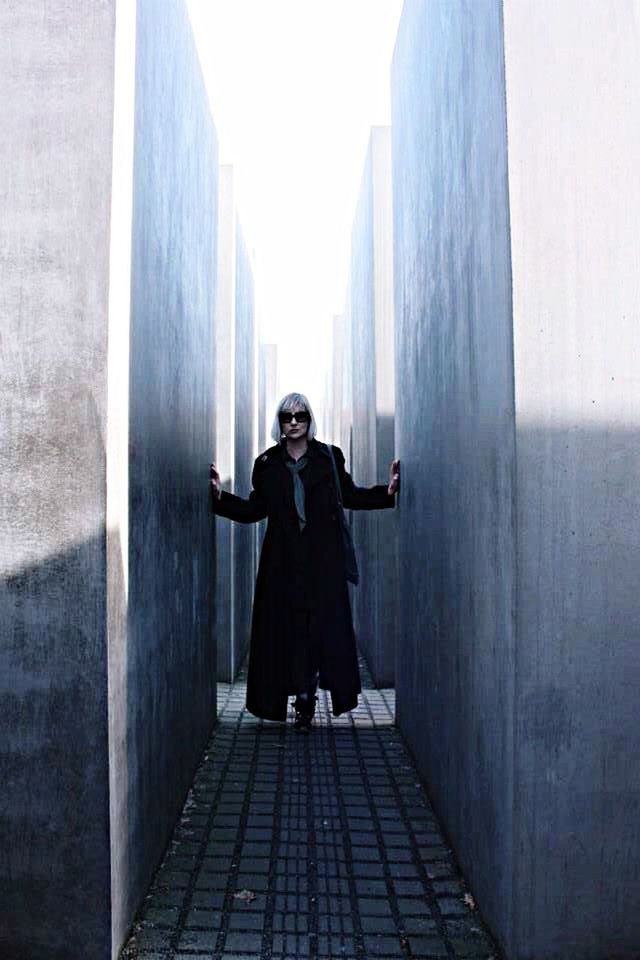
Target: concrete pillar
{"type": "Point", "coordinates": [107, 667]}
{"type": "Point", "coordinates": [246, 448]}
{"type": "Point", "coordinates": [225, 419]}
{"type": "Point", "coordinates": [337, 384]}
{"type": "Point", "coordinates": [56, 105]}
{"type": "Point", "coordinates": [267, 392]}
{"type": "Point", "coordinates": [236, 400]}
{"type": "Point", "coordinates": [267, 400]}
{"type": "Point", "coordinates": [518, 421]}
{"type": "Point", "coordinates": [171, 656]}
{"type": "Point", "coordinates": [343, 386]}
{"type": "Point", "coordinates": [371, 330]}
{"type": "Point", "coordinates": [574, 195]}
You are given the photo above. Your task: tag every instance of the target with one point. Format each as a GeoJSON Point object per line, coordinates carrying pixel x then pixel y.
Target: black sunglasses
{"type": "Point", "coordinates": [286, 416]}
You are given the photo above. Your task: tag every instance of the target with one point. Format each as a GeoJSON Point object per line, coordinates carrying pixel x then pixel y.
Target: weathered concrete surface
{"type": "Point", "coordinates": [573, 107]}
{"type": "Point", "coordinates": [117, 465]}
{"type": "Point", "coordinates": [225, 419]}
{"type": "Point", "coordinates": [518, 429]}
{"type": "Point", "coordinates": [107, 666]}
{"type": "Point", "coordinates": [246, 420]}
{"type": "Point", "coordinates": [236, 431]}
{"type": "Point", "coordinates": [55, 171]}
{"type": "Point", "coordinates": [339, 412]}
{"type": "Point", "coordinates": [171, 655]}
{"type": "Point", "coordinates": [371, 328]}
{"type": "Point", "coordinates": [267, 392]}
{"type": "Point", "coordinates": [455, 429]}
{"type": "Point", "coordinates": [267, 400]}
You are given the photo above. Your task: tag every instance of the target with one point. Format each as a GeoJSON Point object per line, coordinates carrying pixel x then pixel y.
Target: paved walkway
{"type": "Point", "coordinates": [297, 846]}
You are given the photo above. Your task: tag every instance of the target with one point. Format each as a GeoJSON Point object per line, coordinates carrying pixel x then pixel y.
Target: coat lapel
{"type": "Point", "coordinates": [319, 468]}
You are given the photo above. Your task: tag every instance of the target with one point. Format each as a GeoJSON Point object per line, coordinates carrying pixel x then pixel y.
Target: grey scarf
{"type": "Point", "coordinates": [295, 467]}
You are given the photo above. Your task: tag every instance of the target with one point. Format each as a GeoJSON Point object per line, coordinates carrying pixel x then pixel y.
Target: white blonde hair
{"type": "Point", "coordinates": [290, 402]}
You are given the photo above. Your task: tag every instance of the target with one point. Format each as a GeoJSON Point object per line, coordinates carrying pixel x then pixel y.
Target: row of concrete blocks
{"type": "Point", "coordinates": [515, 635]}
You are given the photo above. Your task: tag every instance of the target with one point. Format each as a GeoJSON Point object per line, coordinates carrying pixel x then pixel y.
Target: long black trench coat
{"type": "Point", "coordinates": [300, 569]}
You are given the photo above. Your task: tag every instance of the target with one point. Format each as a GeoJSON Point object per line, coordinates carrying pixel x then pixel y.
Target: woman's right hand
{"type": "Point", "coordinates": [214, 479]}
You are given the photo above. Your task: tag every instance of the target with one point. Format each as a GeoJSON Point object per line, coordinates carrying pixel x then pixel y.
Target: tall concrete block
{"type": "Point", "coordinates": [107, 667]}
{"type": "Point", "coordinates": [246, 420]}
{"type": "Point", "coordinates": [336, 385]}
{"type": "Point", "coordinates": [517, 325]}
{"type": "Point", "coordinates": [574, 193]}
{"type": "Point", "coordinates": [371, 329]}
{"type": "Point", "coordinates": [236, 400]}
{"type": "Point", "coordinates": [56, 106]}
{"type": "Point", "coordinates": [267, 392]}
{"type": "Point", "coordinates": [267, 400]}
{"type": "Point", "coordinates": [171, 655]}
{"type": "Point", "coordinates": [342, 380]}
{"type": "Point", "coordinates": [225, 419]}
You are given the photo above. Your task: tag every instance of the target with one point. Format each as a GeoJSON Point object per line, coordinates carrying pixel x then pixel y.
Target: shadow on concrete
{"type": "Point", "coordinates": [321, 845]}
{"type": "Point", "coordinates": [517, 685]}
{"type": "Point", "coordinates": [54, 798]}
{"type": "Point", "coordinates": [100, 740]}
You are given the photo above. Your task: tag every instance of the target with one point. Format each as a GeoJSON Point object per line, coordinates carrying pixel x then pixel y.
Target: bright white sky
{"type": "Point", "coordinates": [294, 87]}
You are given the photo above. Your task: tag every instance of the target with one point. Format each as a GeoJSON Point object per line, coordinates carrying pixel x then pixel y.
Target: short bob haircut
{"type": "Point", "coordinates": [290, 402]}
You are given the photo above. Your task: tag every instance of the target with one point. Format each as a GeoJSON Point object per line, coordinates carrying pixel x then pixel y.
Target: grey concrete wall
{"type": "Point", "coordinates": [267, 400]}
{"type": "Point", "coordinates": [455, 429]}
{"type": "Point", "coordinates": [107, 666]}
{"type": "Point", "coordinates": [55, 170]}
{"type": "Point", "coordinates": [346, 424]}
{"type": "Point", "coordinates": [236, 400]}
{"type": "Point", "coordinates": [225, 416]}
{"type": "Point", "coordinates": [171, 657]}
{"type": "Point", "coordinates": [371, 329]}
{"type": "Point", "coordinates": [267, 392]}
{"type": "Point", "coordinates": [337, 386]}
{"type": "Point", "coordinates": [246, 402]}
{"type": "Point", "coordinates": [122, 851]}
{"type": "Point", "coordinates": [333, 383]}
{"type": "Point", "coordinates": [573, 107]}
{"type": "Point", "coordinates": [517, 425]}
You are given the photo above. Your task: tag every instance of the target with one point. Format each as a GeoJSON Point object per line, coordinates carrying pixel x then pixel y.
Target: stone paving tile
{"type": "Point", "coordinates": [321, 846]}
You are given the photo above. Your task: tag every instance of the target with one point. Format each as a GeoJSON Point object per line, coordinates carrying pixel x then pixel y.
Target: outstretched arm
{"type": "Point", "coordinates": [228, 505]}
{"type": "Point", "coordinates": [361, 498]}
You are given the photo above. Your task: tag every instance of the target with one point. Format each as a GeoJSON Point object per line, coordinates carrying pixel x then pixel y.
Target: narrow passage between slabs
{"type": "Point", "coordinates": [320, 845]}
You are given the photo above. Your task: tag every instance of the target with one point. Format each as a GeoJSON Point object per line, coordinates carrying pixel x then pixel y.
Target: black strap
{"type": "Point", "coordinates": [335, 474]}
{"type": "Point", "coordinates": [351, 561]}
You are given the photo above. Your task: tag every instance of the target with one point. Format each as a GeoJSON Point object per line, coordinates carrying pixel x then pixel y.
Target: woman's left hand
{"type": "Point", "coordinates": [394, 477]}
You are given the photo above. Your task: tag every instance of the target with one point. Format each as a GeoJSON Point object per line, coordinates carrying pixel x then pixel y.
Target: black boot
{"type": "Point", "coordinates": [304, 707]}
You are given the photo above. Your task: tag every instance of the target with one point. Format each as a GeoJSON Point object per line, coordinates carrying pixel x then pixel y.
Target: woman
{"type": "Point", "coordinates": [301, 631]}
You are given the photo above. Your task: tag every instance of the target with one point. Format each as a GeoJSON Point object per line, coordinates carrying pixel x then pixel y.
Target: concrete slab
{"type": "Point", "coordinates": [225, 438]}
{"type": "Point", "coordinates": [517, 423]}
{"type": "Point", "coordinates": [107, 661]}
{"type": "Point", "coordinates": [372, 352]}
{"type": "Point", "coordinates": [246, 448]}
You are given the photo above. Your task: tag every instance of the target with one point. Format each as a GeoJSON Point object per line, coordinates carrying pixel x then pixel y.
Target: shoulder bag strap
{"type": "Point", "coordinates": [335, 474]}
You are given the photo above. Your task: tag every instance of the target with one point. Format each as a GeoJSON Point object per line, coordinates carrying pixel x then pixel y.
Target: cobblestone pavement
{"type": "Point", "coordinates": [296, 846]}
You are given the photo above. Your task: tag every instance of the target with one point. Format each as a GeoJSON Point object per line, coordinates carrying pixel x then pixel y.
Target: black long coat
{"type": "Point", "coordinates": [297, 569]}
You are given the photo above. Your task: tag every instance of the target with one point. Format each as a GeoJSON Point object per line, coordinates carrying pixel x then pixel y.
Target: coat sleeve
{"type": "Point", "coordinates": [237, 508]}
{"type": "Point", "coordinates": [360, 498]}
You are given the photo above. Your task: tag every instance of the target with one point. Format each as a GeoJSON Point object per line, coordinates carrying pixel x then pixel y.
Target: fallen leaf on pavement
{"type": "Point", "coordinates": [247, 895]}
